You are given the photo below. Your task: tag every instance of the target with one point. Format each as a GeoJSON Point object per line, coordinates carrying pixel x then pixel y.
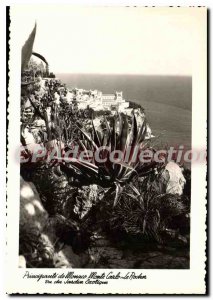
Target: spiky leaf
{"type": "Point", "coordinates": [27, 49]}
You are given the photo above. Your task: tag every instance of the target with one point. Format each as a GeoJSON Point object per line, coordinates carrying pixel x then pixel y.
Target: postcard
{"type": "Point", "coordinates": [107, 150]}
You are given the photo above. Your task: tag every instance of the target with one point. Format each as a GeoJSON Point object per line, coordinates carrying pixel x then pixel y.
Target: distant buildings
{"type": "Point", "coordinates": [114, 101]}
{"type": "Point", "coordinates": [91, 98]}
{"type": "Point", "coordinates": [99, 101]}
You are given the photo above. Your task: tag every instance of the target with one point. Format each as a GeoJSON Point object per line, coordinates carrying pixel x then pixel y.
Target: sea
{"type": "Point", "coordinates": [167, 101]}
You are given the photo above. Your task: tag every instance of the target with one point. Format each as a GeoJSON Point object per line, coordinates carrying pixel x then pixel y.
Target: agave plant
{"type": "Point", "coordinates": [27, 50]}
{"type": "Point", "coordinates": [150, 216]}
{"type": "Point", "coordinates": [112, 174]}
{"type": "Point", "coordinates": [27, 87]}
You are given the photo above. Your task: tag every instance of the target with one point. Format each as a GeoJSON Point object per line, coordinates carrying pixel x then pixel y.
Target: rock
{"type": "Point", "coordinates": [176, 181]}
{"type": "Point", "coordinates": [66, 258]}
{"type": "Point", "coordinates": [36, 240]}
{"type": "Point", "coordinates": [38, 234]}
{"type": "Point", "coordinates": [165, 261]}
{"type": "Point", "coordinates": [32, 212]}
{"type": "Point", "coordinates": [104, 254]}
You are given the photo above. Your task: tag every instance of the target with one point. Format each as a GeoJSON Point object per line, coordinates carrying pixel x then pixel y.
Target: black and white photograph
{"type": "Point", "coordinates": [107, 151]}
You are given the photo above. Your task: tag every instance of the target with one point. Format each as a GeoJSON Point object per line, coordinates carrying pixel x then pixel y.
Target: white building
{"type": "Point", "coordinates": [115, 100]}
{"type": "Point", "coordinates": [99, 101]}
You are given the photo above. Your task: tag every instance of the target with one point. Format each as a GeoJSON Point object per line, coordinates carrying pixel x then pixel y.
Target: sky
{"type": "Point", "coordinates": [114, 40]}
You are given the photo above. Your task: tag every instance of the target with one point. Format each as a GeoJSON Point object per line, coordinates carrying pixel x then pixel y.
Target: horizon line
{"type": "Point", "coordinates": [130, 74]}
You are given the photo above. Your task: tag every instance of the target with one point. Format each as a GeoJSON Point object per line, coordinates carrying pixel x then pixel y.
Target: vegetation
{"type": "Point", "coordinates": [126, 201]}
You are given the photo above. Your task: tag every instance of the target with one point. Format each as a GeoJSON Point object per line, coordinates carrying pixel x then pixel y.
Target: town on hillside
{"type": "Point", "coordinates": [86, 104]}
